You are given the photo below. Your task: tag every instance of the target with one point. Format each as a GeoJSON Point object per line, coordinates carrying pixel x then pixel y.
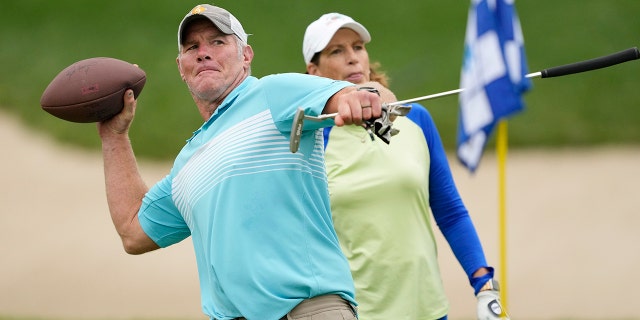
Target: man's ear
{"type": "Point", "coordinates": [248, 54]}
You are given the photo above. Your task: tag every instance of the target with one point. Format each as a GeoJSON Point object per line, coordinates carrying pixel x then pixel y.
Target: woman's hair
{"type": "Point", "coordinates": [376, 74]}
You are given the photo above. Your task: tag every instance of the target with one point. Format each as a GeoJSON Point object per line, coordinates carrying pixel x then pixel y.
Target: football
{"type": "Point", "coordinates": [92, 90]}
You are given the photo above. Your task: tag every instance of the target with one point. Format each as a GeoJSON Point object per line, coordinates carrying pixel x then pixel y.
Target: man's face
{"type": "Point", "coordinates": [210, 62]}
{"type": "Point", "coordinates": [344, 58]}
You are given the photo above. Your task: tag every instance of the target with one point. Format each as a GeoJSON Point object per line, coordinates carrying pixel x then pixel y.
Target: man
{"type": "Point", "coordinates": [258, 214]}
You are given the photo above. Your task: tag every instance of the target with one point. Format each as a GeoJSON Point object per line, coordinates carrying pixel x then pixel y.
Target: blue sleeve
{"type": "Point", "coordinates": [159, 217]}
{"type": "Point", "coordinates": [449, 211]}
{"type": "Point", "coordinates": [289, 91]}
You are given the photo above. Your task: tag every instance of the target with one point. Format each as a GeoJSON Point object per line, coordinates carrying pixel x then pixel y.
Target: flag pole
{"type": "Point", "coordinates": [501, 150]}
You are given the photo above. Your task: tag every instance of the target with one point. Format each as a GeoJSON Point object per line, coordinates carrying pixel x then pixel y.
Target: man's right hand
{"type": "Point", "coordinates": [354, 106]}
{"type": "Point", "coordinates": [120, 123]}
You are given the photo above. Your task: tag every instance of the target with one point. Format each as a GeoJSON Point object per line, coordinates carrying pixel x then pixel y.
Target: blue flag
{"type": "Point", "coordinates": [493, 75]}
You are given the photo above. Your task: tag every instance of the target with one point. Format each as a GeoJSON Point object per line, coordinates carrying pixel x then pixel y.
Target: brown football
{"type": "Point", "coordinates": [91, 90]}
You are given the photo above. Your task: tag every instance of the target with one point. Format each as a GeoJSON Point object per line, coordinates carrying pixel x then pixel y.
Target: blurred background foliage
{"type": "Point", "coordinates": [419, 43]}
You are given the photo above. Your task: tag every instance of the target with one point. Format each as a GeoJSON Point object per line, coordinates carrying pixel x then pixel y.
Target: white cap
{"type": "Point", "coordinates": [320, 32]}
{"type": "Point", "coordinates": [221, 18]}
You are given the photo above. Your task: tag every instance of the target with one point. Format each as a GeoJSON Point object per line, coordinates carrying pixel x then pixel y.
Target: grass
{"type": "Point", "coordinates": [418, 43]}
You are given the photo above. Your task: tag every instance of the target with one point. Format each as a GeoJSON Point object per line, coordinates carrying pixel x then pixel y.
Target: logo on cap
{"type": "Point", "coordinates": [198, 10]}
{"type": "Point", "coordinates": [335, 18]}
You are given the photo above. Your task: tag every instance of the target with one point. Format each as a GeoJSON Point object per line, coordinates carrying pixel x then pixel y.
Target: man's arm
{"type": "Point", "coordinates": [353, 106]}
{"type": "Point", "coordinates": [124, 185]}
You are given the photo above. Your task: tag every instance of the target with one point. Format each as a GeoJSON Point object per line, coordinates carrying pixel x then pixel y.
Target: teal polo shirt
{"type": "Point", "coordinates": [258, 214]}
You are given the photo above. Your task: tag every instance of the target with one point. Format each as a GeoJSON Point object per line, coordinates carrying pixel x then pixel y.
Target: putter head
{"type": "Point", "coordinates": [296, 130]}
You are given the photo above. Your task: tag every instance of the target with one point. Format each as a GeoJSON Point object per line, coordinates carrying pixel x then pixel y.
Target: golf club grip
{"type": "Point", "coordinates": [593, 64]}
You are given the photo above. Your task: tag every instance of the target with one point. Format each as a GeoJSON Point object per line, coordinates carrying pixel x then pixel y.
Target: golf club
{"type": "Point", "coordinates": [563, 70]}
{"type": "Point", "coordinates": [382, 125]}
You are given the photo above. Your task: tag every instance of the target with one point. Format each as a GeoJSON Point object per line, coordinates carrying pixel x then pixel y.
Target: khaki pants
{"type": "Point", "coordinates": [327, 307]}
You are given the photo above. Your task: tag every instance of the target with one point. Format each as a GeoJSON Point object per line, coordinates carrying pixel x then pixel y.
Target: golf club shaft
{"type": "Point", "coordinates": [567, 69]}
{"type": "Point", "coordinates": [593, 64]}
{"type": "Point", "coordinates": [577, 67]}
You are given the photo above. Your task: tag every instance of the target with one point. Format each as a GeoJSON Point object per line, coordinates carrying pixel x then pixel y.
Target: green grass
{"type": "Point", "coordinates": [418, 42]}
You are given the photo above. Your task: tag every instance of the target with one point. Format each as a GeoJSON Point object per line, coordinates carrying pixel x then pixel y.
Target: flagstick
{"type": "Point", "coordinates": [501, 150]}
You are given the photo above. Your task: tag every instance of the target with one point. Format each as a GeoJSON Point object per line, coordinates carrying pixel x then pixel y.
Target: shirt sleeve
{"type": "Point", "coordinates": [289, 91]}
{"type": "Point", "coordinates": [448, 209]}
{"type": "Point", "coordinates": [159, 217]}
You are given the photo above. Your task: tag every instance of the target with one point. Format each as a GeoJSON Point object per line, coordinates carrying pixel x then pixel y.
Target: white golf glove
{"type": "Point", "coordinates": [489, 305]}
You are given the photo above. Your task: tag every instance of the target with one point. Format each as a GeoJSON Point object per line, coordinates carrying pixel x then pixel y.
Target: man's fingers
{"type": "Point", "coordinates": [367, 112]}
{"type": "Point", "coordinates": [358, 106]}
{"type": "Point", "coordinates": [120, 123]}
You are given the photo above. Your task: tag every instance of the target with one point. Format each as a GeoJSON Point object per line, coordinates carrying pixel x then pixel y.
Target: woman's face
{"type": "Point", "coordinates": [344, 58]}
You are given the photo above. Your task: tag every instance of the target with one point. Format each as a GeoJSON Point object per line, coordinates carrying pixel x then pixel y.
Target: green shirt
{"type": "Point", "coordinates": [380, 206]}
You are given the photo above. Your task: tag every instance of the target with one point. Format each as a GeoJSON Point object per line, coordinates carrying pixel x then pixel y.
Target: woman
{"type": "Point", "coordinates": [382, 195]}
